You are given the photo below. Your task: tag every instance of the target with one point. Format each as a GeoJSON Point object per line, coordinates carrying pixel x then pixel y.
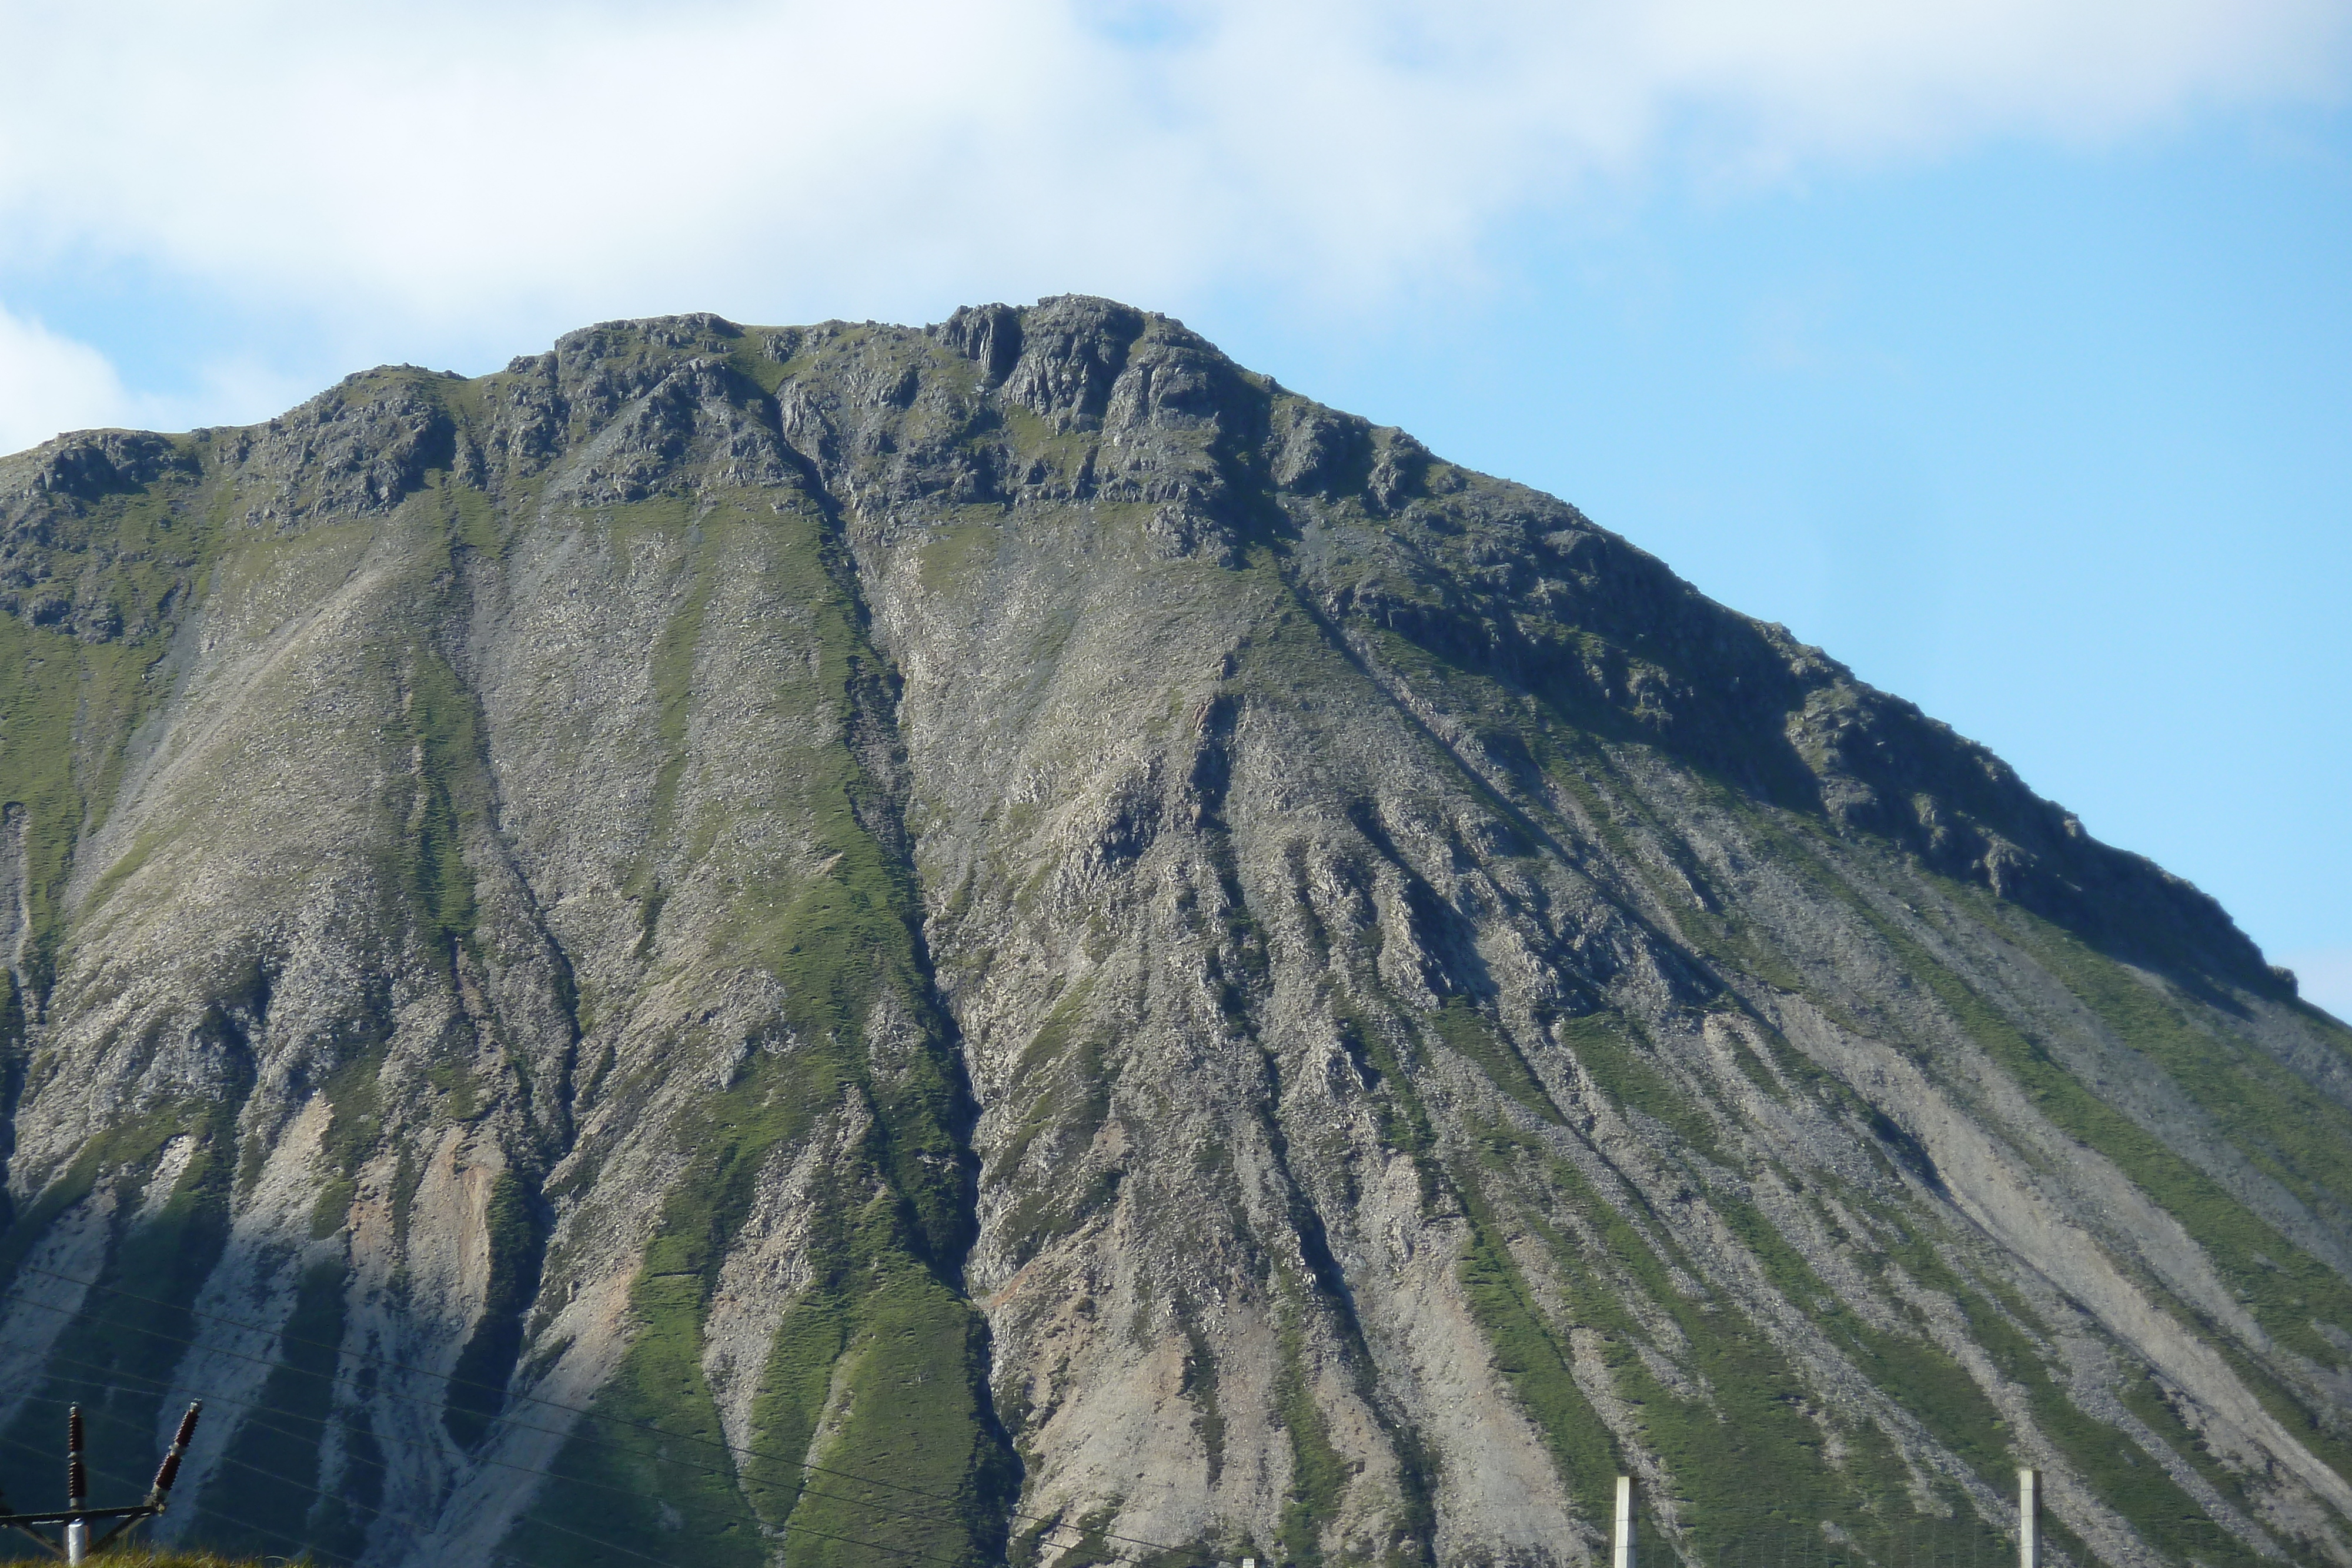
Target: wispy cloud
{"type": "Point", "coordinates": [467, 163]}
{"type": "Point", "coordinates": [449, 157]}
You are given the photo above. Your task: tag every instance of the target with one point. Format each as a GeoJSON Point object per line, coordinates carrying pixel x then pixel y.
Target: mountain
{"type": "Point", "coordinates": [857, 945]}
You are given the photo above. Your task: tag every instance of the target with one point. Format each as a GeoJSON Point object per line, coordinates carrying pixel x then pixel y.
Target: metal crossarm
{"type": "Point", "coordinates": [67, 1515]}
{"type": "Point", "coordinates": [16, 1522]}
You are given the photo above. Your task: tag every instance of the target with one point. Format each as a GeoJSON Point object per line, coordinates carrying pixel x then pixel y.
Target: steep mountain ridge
{"type": "Point", "coordinates": [1128, 966]}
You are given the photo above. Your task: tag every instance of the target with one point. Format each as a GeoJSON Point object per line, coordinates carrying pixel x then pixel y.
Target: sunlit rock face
{"type": "Point", "coordinates": [1007, 941]}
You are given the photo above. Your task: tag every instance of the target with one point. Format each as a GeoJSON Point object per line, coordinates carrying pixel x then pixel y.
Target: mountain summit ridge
{"type": "Point", "coordinates": [1011, 909]}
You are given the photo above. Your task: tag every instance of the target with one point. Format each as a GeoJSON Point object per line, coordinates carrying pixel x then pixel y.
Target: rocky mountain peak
{"type": "Point", "coordinates": [1007, 942]}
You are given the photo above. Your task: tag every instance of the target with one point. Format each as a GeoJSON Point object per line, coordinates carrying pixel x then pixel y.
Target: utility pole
{"type": "Point", "coordinates": [76, 1490]}
{"type": "Point", "coordinates": [76, 1518]}
{"type": "Point", "coordinates": [2029, 1517]}
{"type": "Point", "coordinates": [1623, 1555]}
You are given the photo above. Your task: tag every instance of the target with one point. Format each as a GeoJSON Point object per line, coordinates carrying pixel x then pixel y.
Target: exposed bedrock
{"type": "Point", "coordinates": [1008, 942]}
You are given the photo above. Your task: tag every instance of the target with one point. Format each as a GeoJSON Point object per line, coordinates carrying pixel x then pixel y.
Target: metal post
{"type": "Point", "coordinates": [2029, 1517]}
{"type": "Point", "coordinates": [77, 1488]}
{"type": "Point", "coordinates": [1624, 1557]}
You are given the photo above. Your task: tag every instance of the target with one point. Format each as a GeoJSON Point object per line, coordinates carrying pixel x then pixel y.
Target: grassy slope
{"type": "Point", "coordinates": [887, 1326]}
{"type": "Point", "coordinates": [883, 1344]}
{"type": "Point", "coordinates": [885, 1359]}
{"type": "Point", "coordinates": [1753, 1416]}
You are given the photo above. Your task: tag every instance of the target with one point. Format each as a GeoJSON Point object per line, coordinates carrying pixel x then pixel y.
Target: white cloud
{"type": "Point", "coordinates": [49, 383]}
{"type": "Point", "coordinates": [2325, 977]}
{"type": "Point", "coordinates": [459, 163]}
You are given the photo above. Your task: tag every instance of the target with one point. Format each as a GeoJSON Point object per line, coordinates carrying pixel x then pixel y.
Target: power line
{"type": "Point", "coordinates": [454, 1381]}
{"type": "Point", "coordinates": [412, 1399]}
{"type": "Point", "coordinates": [114, 1475]}
{"type": "Point", "coordinates": [158, 1386]}
{"type": "Point", "coordinates": [1695, 1519]}
{"type": "Point", "coordinates": [379, 1512]}
{"type": "Point", "coordinates": [408, 1518]}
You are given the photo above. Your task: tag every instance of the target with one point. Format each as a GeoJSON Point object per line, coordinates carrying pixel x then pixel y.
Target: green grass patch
{"type": "Point", "coordinates": [445, 723]}
{"type": "Point", "coordinates": [1319, 1475]}
{"type": "Point", "coordinates": [1537, 1366]}
{"type": "Point", "coordinates": [1470, 1033]}
{"type": "Point", "coordinates": [906, 1354]}
{"type": "Point", "coordinates": [2233, 1237]}
{"type": "Point", "coordinates": [669, 1492]}
{"type": "Point", "coordinates": [2280, 1285]}
{"type": "Point", "coordinates": [1199, 1385]}
{"type": "Point", "coordinates": [2287, 1129]}
{"type": "Point", "coordinates": [1620, 1058]}
{"type": "Point", "coordinates": [2124, 1477]}
{"type": "Point", "coordinates": [948, 557]}
{"type": "Point", "coordinates": [880, 1364]}
{"type": "Point", "coordinates": [66, 709]}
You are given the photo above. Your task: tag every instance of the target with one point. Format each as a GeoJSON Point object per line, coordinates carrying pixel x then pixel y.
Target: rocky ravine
{"type": "Point", "coordinates": [1129, 966]}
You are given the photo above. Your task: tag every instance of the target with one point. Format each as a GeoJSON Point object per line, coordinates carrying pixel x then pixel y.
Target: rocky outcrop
{"type": "Point", "coordinates": [848, 944]}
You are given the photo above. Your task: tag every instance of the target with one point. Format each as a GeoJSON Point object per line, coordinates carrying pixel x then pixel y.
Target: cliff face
{"type": "Point", "coordinates": [1008, 940]}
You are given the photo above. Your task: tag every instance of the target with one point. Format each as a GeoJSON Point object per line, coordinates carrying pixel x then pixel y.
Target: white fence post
{"type": "Point", "coordinates": [1624, 1557]}
{"type": "Point", "coordinates": [2029, 1517]}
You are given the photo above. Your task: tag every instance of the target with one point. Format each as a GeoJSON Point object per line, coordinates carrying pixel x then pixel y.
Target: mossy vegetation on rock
{"type": "Point", "coordinates": [1010, 943]}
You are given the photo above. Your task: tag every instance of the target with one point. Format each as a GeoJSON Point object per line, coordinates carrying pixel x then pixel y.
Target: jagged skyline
{"type": "Point", "coordinates": [1997, 346]}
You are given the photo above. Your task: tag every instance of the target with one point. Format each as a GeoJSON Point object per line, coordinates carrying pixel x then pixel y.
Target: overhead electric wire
{"type": "Point", "coordinates": [712, 1471]}
{"type": "Point", "coordinates": [454, 1381]}
{"type": "Point", "coordinates": [458, 1382]}
{"type": "Point", "coordinates": [157, 1385]}
{"type": "Point", "coordinates": [302, 1545]}
{"type": "Point", "coordinates": [276, 1365]}
{"type": "Point", "coordinates": [396, 1515]}
{"type": "Point", "coordinates": [900, 1514]}
{"type": "Point", "coordinates": [115, 1474]}
{"type": "Point", "coordinates": [379, 1512]}
{"type": "Point", "coordinates": [752, 1515]}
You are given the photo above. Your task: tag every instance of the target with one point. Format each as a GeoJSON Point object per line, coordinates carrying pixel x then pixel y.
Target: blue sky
{"type": "Point", "coordinates": [2004, 351]}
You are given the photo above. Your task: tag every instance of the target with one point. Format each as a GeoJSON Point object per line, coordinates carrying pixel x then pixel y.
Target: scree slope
{"type": "Point", "coordinates": [1009, 942]}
